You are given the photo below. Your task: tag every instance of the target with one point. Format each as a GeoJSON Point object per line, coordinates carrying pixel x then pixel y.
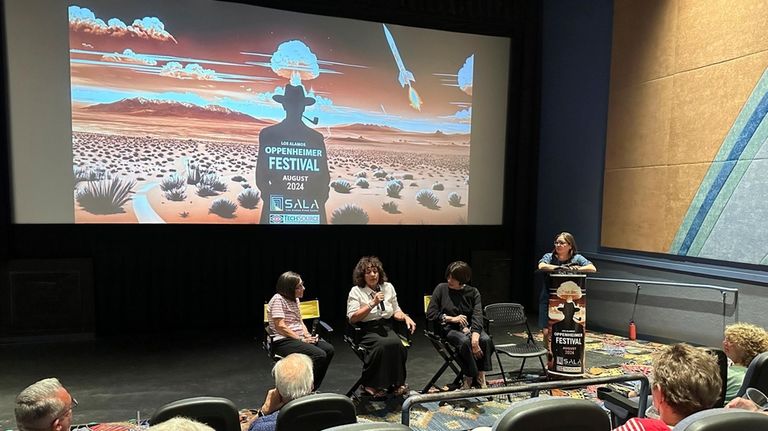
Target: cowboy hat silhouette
{"type": "Point", "coordinates": [294, 95]}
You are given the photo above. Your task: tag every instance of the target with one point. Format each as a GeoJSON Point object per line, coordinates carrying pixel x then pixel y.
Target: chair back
{"type": "Point", "coordinates": [554, 414]}
{"type": "Point", "coordinates": [722, 363]}
{"type": "Point", "coordinates": [756, 375]}
{"type": "Point", "coordinates": [371, 426]}
{"type": "Point", "coordinates": [309, 310]}
{"type": "Point", "coordinates": [316, 412]}
{"type": "Point", "coordinates": [427, 299]}
{"type": "Point", "coordinates": [218, 413]}
{"type": "Point", "coordinates": [723, 419]}
{"type": "Point", "coordinates": [505, 314]}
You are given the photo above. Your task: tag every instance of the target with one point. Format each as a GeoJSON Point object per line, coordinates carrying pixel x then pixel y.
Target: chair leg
{"type": "Point", "coordinates": [543, 367]}
{"type": "Point", "coordinates": [351, 392]}
{"type": "Point", "coordinates": [520, 373]}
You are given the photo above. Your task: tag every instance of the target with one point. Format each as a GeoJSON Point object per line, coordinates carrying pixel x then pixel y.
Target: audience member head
{"type": "Point", "coordinates": [686, 380]}
{"type": "Point", "coordinates": [744, 341]}
{"type": "Point", "coordinates": [44, 406]}
{"type": "Point", "coordinates": [180, 424]}
{"type": "Point", "coordinates": [459, 271]}
{"type": "Point", "coordinates": [566, 243]}
{"type": "Point", "coordinates": [365, 264]}
{"type": "Point", "coordinates": [287, 283]}
{"type": "Point", "coordinates": [293, 376]}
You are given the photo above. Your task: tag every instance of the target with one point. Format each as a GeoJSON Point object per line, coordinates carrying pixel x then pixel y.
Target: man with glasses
{"type": "Point", "coordinates": [44, 406]}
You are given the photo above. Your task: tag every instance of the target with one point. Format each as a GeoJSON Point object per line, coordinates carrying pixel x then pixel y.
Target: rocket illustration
{"type": "Point", "coordinates": [405, 77]}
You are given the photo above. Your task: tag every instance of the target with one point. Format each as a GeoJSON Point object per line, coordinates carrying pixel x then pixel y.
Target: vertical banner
{"type": "Point", "coordinates": [567, 313]}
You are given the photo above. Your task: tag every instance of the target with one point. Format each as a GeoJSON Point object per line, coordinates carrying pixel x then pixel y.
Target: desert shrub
{"type": "Point", "coordinates": [349, 214]}
{"type": "Point", "coordinates": [438, 186]}
{"type": "Point", "coordinates": [249, 198]}
{"type": "Point", "coordinates": [205, 190]}
{"type": "Point", "coordinates": [238, 178]}
{"type": "Point", "coordinates": [341, 185]}
{"type": "Point", "coordinates": [85, 173]}
{"type": "Point", "coordinates": [466, 180]}
{"type": "Point", "coordinates": [381, 173]}
{"type": "Point", "coordinates": [173, 182]}
{"type": "Point", "coordinates": [390, 207]}
{"type": "Point", "coordinates": [223, 207]}
{"type": "Point", "coordinates": [427, 198]}
{"type": "Point", "coordinates": [394, 188]}
{"type": "Point", "coordinates": [414, 184]}
{"type": "Point", "coordinates": [245, 185]}
{"type": "Point", "coordinates": [194, 173]}
{"type": "Point", "coordinates": [454, 199]}
{"type": "Point", "coordinates": [214, 181]}
{"type": "Point", "coordinates": [177, 195]}
{"type": "Point", "coordinates": [105, 196]}
{"type": "Point", "coordinates": [362, 183]}
{"type": "Point", "coordinates": [407, 176]}
{"type": "Point", "coordinates": [362, 174]}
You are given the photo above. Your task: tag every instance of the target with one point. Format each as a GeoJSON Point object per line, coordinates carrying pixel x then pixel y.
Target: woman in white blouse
{"type": "Point", "coordinates": [372, 305]}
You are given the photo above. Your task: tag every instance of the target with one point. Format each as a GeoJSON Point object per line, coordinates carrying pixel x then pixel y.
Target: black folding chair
{"type": "Point", "coordinates": [511, 317]}
{"type": "Point", "coordinates": [352, 336]}
{"type": "Point", "coordinates": [446, 350]}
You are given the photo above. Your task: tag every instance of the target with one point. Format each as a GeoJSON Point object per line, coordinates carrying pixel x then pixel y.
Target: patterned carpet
{"type": "Point", "coordinates": [606, 355]}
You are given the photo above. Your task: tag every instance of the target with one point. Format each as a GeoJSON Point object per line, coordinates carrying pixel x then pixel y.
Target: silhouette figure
{"type": "Point", "coordinates": [292, 167]}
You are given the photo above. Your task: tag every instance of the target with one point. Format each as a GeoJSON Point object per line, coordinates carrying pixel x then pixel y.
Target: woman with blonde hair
{"type": "Point", "coordinates": [741, 343]}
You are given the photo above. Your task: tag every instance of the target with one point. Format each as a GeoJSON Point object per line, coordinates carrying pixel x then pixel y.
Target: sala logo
{"type": "Point", "coordinates": [301, 204]}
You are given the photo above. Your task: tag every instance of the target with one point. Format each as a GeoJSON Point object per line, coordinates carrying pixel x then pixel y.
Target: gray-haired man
{"type": "Point", "coordinates": [44, 406]}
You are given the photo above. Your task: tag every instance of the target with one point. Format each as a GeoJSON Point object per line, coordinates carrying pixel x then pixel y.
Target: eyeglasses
{"type": "Point", "coordinates": [72, 405]}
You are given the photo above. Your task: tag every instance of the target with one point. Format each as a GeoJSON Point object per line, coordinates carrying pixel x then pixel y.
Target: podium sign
{"type": "Point", "coordinates": [567, 314]}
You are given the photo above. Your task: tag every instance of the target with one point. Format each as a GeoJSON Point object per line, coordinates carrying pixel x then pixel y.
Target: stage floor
{"type": "Point", "coordinates": [116, 379]}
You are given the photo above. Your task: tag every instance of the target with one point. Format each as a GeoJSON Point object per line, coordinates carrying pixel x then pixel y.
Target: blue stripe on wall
{"type": "Point", "coordinates": [725, 171]}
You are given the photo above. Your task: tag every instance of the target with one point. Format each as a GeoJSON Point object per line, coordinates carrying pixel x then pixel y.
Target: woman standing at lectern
{"type": "Point", "coordinates": [564, 256]}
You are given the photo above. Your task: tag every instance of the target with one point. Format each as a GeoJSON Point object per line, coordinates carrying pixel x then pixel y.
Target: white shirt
{"type": "Point", "coordinates": [363, 295]}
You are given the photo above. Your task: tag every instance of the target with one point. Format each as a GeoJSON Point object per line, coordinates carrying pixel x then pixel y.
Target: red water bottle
{"type": "Point", "coordinates": [632, 330]}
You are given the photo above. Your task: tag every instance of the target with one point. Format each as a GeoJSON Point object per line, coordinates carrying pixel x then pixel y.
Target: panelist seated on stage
{"type": "Point", "coordinates": [564, 257]}
{"type": "Point", "coordinates": [44, 406]}
{"type": "Point", "coordinates": [458, 308]}
{"type": "Point", "coordinates": [290, 332]}
{"type": "Point", "coordinates": [685, 380]}
{"type": "Point", "coordinates": [741, 343]}
{"type": "Point", "coordinates": [371, 306]}
{"type": "Point", "coordinates": [293, 379]}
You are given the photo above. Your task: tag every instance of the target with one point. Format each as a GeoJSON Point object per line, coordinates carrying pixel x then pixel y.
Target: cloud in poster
{"type": "Point", "coordinates": [84, 20]}
{"type": "Point", "coordinates": [128, 56]}
{"type": "Point", "coordinates": [174, 69]}
{"type": "Point", "coordinates": [465, 75]}
{"type": "Point", "coordinates": [463, 115]}
{"type": "Point", "coordinates": [295, 61]}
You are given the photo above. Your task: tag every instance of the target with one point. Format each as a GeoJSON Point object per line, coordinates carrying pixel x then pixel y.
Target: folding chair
{"type": "Point", "coordinates": [511, 317]}
{"type": "Point", "coordinates": [309, 310]}
{"type": "Point", "coordinates": [446, 350]}
{"type": "Point", "coordinates": [353, 335]}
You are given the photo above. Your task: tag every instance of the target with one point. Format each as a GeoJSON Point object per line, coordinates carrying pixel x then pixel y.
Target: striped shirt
{"type": "Point", "coordinates": [281, 308]}
{"type": "Point", "coordinates": [644, 424]}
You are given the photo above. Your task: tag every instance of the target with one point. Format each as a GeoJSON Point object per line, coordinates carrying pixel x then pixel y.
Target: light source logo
{"type": "Point", "coordinates": [276, 203]}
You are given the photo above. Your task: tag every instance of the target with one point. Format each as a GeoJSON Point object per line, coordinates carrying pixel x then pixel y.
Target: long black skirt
{"type": "Point", "coordinates": [385, 355]}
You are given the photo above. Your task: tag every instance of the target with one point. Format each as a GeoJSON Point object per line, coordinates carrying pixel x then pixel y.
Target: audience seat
{"type": "Point", "coordinates": [554, 414]}
{"type": "Point", "coordinates": [371, 426]}
{"type": "Point", "coordinates": [723, 419]}
{"type": "Point", "coordinates": [756, 375]}
{"type": "Point", "coordinates": [218, 413]}
{"type": "Point", "coordinates": [316, 412]}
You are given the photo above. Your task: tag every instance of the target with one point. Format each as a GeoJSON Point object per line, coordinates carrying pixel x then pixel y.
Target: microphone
{"type": "Point", "coordinates": [314, 120]}
{"type": "Point", "coordinates": [377, 290]}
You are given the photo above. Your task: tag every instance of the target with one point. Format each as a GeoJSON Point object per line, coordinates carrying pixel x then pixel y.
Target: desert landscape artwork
{"type": "Point", "coordinates": [263, 116]}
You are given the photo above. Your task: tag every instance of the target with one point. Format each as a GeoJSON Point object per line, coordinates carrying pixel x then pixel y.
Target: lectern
{"type": "Point", "coordinates": [567, 312]}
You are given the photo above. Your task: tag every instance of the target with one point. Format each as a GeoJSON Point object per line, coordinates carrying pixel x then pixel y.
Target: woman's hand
{"type": "Point", "coordinates": [477, 352]}
{"type": "Point", "coordinates": [310, 339]}
{"type": "Point", "coordinates": [460, 319]}
{"type": "Point", "coordinates": [410, 324]}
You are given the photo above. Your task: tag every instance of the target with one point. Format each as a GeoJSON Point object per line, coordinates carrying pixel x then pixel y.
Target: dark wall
{"type": "Point", "coordinates": [160, 278]}
{"type": "Point", "coordinates": [575, 72]}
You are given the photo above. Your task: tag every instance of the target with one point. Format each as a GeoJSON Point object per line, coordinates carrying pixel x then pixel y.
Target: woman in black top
{"type": "Point", "coordinates": [458, 308]}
